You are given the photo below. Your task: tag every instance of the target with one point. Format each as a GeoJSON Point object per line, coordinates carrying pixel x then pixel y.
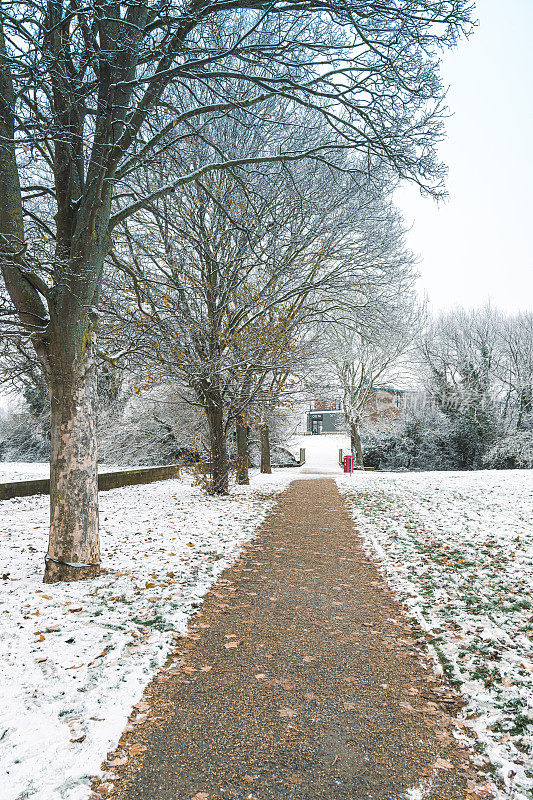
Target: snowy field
{"type": "Point", "coordinates": [458, 549]}
{"type": "Point", "coordinates": [23, 470]}
{"type": "Point", "coordinates": [76, 657]}
{"type": "Point", "coordinates": [32, 470]}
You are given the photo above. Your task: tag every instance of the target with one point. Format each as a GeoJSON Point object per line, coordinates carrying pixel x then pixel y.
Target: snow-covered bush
{"type": "Point", "coordinates": [24, 437]}
{"type": "Point", "coordinates": [432, 440]}
{"type": "Point", "coordinates": [279, 456]}
{"type": "Point", "coordinates": [151, 428]}
{"type": "Point", "coordinates": [417, 442]}
{"type": "Point", "coordinates": [512, 451]}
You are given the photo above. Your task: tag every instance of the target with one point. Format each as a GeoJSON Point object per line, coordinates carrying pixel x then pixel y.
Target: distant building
{"type": "Point", "coordinates": [383, 405]}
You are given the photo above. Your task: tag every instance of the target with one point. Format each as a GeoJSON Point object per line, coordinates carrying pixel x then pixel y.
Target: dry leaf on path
{"type": "Point", "coordinates": [200, 796]}
{"type": "Point", "coordinates": [135, 749]}
{"type": "Point", "coordinates": [117, 762]}
{"type": "Point", "coordinates": [287, 712]}
{"type": "Point", "coordinates": [443, 763]}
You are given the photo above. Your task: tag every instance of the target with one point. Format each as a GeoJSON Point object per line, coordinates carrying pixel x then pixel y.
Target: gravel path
{"type": "Point", "coordinates": [300, 678]}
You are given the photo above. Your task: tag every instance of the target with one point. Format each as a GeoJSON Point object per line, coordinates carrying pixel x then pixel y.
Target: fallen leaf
{"type": "Point", "coordinates": [308, 659]}
{"type": "Point", "coordinates": [406, 706]}
{"type": "Point", "coordinates": [135, 749]}
{"type": "Point", "coordinates": [287, 712]}
{"type": "Point", "coordinates": [117, 762]}
{"type": "Point", "coordinates": [200, 796]}
{"type": "Point", "coordinates": [443, 763]}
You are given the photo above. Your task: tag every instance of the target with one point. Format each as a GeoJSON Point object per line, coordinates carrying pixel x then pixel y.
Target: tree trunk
{"type": "Point", "coordinates": [357, 450]}
{"type": "Point", "coordinates": [265, 449]}
{"type": "Point", "coordinates": [73, 549]}
{"type": "Point", "coordinates": [526, 404]}
{"type": "Point", "coordinates": [242, 451]}
{"type": "Point", "coordinates": [219, 453]}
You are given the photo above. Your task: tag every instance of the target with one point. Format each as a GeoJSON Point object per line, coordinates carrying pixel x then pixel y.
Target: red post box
{"type": "Point", "coordinates": [348, 463]}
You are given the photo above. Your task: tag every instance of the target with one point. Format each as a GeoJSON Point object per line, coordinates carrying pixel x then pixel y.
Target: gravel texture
{"type": "Point", "coordinates": [300, 678]}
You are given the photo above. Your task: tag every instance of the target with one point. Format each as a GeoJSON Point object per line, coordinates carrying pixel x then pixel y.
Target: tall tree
{"type": "Point", "coordinates": [373, 350]}
{"type": "Point", "coordinates": [227, 280]}
{"type": "Point", "coordinates": [79, 84]}
{"type": "Point", "coordinates": [516, 367]}
{"type": "Point", "coordinates": [461, 355]}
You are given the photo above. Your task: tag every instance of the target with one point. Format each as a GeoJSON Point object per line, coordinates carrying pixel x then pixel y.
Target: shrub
{"type": "Point", "coordinates": [512, 451]}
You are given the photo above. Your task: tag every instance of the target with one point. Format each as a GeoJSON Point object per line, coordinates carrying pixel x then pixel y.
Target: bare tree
{"type": "Point", "coordinates": [462, 356]}
{"type": "Point", "coordinates": [79, 86]}
{"type": "Point", "coordinates": [227, 278]}
{"type": "Point", "coordinates": [374, 350]}
{"type": "Point", "coordinates": [516, 367]}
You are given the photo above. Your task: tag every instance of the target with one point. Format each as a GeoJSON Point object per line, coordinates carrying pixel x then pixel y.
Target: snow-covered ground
{"type": "Point", "coordinates": [458, 549]}
{"type": "Point", "coordinates": [31, 470]}
{"type": "Point", "coordinates": [23, 470]}
{"type": "Point", "coordinates": [76, 657]}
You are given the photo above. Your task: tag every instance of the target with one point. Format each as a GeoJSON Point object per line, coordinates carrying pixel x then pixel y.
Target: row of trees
{"type": "Point", "coordinates": [474, 371]}
{"type": "Point", "coordinates": [114, 116]}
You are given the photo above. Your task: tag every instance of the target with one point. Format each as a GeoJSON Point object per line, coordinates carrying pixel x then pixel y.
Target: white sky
{"type": "Point", "coordinates": [477, 244]}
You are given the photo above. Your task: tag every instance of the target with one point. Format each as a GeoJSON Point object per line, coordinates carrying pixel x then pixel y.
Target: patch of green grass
{"type": "Point", "coordinates": [157, 622]}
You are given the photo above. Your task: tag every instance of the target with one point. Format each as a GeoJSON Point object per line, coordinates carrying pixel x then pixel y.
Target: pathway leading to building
{"type": "Point", "coordinates": [300, 679]}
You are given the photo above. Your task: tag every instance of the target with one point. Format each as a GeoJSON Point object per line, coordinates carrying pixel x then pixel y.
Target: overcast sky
{"type": "Point", "coordinates": [477, 244]}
